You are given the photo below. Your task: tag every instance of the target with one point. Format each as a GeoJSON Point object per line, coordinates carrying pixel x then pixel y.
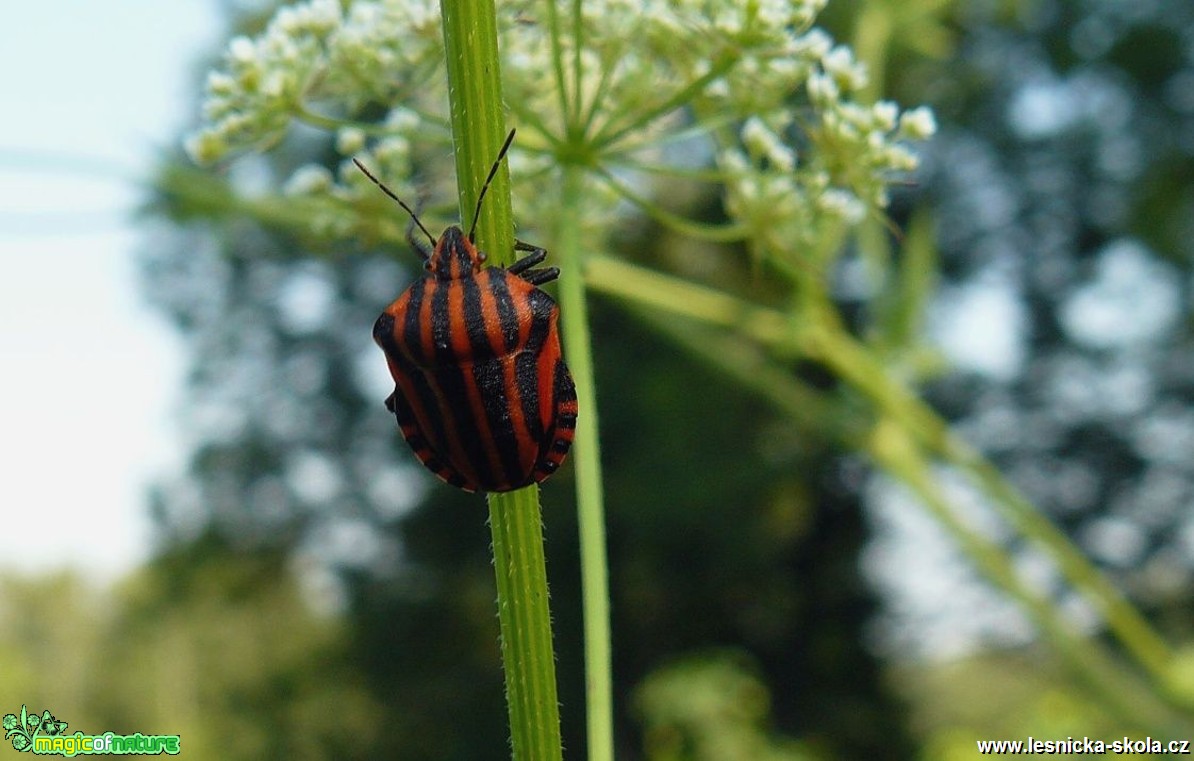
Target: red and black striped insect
{"type": "Point", "coordinates": [481, 392]}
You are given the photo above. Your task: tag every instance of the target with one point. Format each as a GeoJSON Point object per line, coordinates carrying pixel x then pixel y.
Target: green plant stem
{"type": "Point", "coordinates": [650, 288]}
{"type": "Point", "coordinates": [525, 619]}
{"type": "Point", "coordinates": [891, 448]}
{"type": "Point", "coordinates": [894, 449]}
{"type": "Point", "coordinates": [554, 26]}
{"type": "Point", "coordinates": [854, 364]}
{"type": "Point", "coordinates": [818, 334]}
{"type": "Point", "coordinates": [872, 41]}
{"type": "Point", "coordinates": [720, 66]}
{"type": "Point", "coordinates": [574, 117]}
{"type": "Point", "coordinates": [894, 452]}
{"type": "Point", "coordinates": [587, 458]}
{"type": "Point", "coordinates": [478, 127]}
{"type": "Point", "coordinates": [478, 122]}
{"type": "Point", "coordinates": [722, 233]}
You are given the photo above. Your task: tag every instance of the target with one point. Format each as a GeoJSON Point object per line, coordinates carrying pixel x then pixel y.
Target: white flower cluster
{"type": "Point", "coordinates": [252, 102]}
{"type": "Point", "coordinates": [626, 73]}
{"type": "Point", "coordinates": [313, 53]}
{"type": "Point", "coordinates": [636, 56]}
{"type": "Point", "coordinates": [848, 153]}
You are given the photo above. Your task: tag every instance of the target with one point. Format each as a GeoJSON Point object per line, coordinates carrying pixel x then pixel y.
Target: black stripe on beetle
{"type": "Point", "coordinates": [481, 391]}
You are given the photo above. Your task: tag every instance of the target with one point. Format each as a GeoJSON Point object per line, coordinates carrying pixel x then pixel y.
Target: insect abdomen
{"type": "Point", "coordinates": [469, 359]}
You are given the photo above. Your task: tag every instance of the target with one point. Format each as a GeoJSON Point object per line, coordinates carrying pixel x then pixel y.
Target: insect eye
{"type": "Point", "coordinates": [481, 256]}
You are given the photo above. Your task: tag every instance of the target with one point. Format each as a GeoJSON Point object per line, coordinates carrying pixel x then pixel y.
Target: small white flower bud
{"type": "Point", "coordinates": [350, 140]}
{"type": "Point", "coordinates": [885, 114]}
{"type": "Point", "coordinates": [842, 204]}
{"type": "Point", "coordinates": [308, 180]}
{"type": "Point", "coordinates": [242, 50]}
{"type": "Point", "coordinates": [918, 124]}
{"type": "Point", "coordinates": [205, 147]}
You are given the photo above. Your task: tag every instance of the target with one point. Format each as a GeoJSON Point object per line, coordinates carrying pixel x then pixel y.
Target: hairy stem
{"type": "Point", "coordinates": [478, 128]}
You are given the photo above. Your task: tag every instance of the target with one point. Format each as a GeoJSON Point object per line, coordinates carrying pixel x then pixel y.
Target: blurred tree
{"type": "Point", "coordinates": [220, 647]}
{"type": "Point", "coordinates": [212, 644]}
{"type": "Point", "coordinates": [51, 635]}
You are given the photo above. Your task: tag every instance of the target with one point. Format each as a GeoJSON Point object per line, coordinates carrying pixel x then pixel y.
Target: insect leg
{"type": "Point", "coordinates": [540, 276]}
{"type": "Point", "coordinates": [536, 256]}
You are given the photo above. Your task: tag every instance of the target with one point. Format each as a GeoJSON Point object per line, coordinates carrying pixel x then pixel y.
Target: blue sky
{"type": "Point", "coordinates": [92, 91]}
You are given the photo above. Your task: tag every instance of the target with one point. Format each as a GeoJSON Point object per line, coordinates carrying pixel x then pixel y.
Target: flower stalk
{"type": "Point", "coordinates": [589, 489]}
{"type": "Point", "coordinates": [478, 127]}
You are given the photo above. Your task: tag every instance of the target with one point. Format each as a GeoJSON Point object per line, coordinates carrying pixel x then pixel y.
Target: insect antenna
{"type": "Point", "coordinates": [393, 195]}
{"type": "Point", "coordinates": [492, 171]}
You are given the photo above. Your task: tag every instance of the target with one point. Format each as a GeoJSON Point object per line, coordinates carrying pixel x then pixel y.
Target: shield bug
{"type": "Point", "coordinates": [481, 392]}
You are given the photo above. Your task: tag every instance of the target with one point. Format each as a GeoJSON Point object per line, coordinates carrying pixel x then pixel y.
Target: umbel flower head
{"type": "Point", "coordinates": [614, 90]}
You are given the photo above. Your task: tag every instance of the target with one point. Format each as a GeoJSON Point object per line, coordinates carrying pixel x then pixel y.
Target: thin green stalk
{"type": "Point", "coordinates": [727, 233]}
{"type": "Point", "coordinates": [557, 58]}
{"type": "Point", "coordinates": [598, 97]}
{"type": "Point", "coordinates": [578, 44]}
{"type": "Point", "coordinates": [819, 335]}
{"type": "Point", "coordinates": [478, 121]}
{"type": "Point", "coordinates": [332, 124]}
{"type": "Point", "coordinates": [894, 450]}
{"type": "Point", "coordinates": [655, 289]}
{"type": "Point", "coordinates": [711, 176]}
{"type": "Point", "coordinates": [680, 98]}
{"type": "Point", "coordinates": [754, 368]}
{"type": "Point", "coordinates": [478, 128]}
{"type": "Point", "coordinates": [854, 364]}
{"type": "Point", "coordinates": [590, 498]}
{"type": "Point", "coordinates": [1121, 616]}
{"type": "Point", "coordinates": [872, 41]}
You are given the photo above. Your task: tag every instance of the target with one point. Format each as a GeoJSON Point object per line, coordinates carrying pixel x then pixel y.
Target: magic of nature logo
{"type": "Point", "coordinates": [44, 734]}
